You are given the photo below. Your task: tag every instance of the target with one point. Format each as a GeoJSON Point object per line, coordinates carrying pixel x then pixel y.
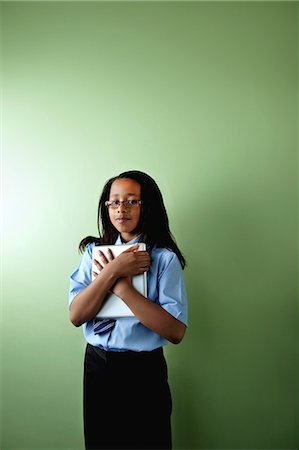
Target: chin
{"type": "Point", "coordinates": [124, 229]}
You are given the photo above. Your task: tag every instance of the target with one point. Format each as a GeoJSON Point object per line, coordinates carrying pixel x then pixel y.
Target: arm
{"type": "Point", "coordinates": [172, 298]}
{"type": "Point", "coordinates": [150, 314]}
{"type": "Point", "coordinates": [88, 301]}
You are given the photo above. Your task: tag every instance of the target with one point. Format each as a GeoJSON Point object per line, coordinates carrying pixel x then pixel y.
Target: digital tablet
{"type": "Point", "coordinates": [113, 306]}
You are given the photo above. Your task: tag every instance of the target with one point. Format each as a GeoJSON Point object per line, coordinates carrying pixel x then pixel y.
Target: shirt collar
{"type": "Point", "coordinates": [133, 241]}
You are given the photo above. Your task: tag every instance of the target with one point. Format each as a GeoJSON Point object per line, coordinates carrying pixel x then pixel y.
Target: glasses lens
{"type": "Point", "coordinates": [114, 204]}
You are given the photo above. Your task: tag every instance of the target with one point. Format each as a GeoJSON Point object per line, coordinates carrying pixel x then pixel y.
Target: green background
{"type": "Point", "coordinates": [203, 97]}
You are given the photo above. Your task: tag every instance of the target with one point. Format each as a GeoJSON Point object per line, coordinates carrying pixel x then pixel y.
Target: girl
{"type": "Point", "coordinates": [127, 401]}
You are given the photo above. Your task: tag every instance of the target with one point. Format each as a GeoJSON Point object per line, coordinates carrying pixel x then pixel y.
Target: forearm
{"type": "Point", "coordinates": [88, 302]}
{"type": "Point", "coordinates": [153, 316]}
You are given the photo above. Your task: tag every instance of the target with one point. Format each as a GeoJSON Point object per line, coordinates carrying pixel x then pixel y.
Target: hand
{"type": "Point", "coordinates": [129, 263]}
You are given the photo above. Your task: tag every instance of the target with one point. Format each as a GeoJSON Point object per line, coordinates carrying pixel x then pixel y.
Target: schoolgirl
{"type": "Point", "coordinates": [127, 400]}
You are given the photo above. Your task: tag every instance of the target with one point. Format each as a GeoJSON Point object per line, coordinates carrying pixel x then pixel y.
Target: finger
{"type": "Point", "coordinates": [95, 274]}
{"type": "Point", "coordinates": [143, 266]}
{"type": "Point", "coordinates": [97, 263]}
{"type": "Point", "coordinates": [110, 255]}
{"type": "Point", "coordinates": [132, 249]}
{"type": "Point", "coordinates": [143, 269]}
{"type": "Point", "coordinates": [145, 260]}
{"type": "Point", "coordinates": [142, 255]}
{"type": "Point", "coordinates": [103, 257]}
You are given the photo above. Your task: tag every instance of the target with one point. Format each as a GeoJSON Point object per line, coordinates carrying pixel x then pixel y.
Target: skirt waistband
{"type": "Point", "coordinates": [129, 354]}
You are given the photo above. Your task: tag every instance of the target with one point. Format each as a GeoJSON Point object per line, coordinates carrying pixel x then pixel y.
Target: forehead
{"type": "Point", "coordinates": [125, 186]}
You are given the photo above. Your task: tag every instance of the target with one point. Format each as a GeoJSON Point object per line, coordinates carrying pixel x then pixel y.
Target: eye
{"type": "Point", "coordinates": [132, 202]}
{"type": "Point", "coordinates": [114, 203]}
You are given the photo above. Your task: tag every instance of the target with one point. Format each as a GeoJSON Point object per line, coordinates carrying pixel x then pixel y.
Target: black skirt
{"type": "Point", "coordinates": [127, 400]}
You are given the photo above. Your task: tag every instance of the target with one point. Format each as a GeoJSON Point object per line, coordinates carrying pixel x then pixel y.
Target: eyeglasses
{"type": "Point", "coordinates": [114, 204]}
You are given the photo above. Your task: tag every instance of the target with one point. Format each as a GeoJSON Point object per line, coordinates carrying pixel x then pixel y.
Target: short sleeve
{"type": "Point", "coordinates": [172, 289]}
{"type": "Point", "coordinates": [81, 277]}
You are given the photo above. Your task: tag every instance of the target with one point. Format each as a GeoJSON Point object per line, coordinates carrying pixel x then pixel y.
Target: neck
{"type": "Point", "coordinates": [126, 237]}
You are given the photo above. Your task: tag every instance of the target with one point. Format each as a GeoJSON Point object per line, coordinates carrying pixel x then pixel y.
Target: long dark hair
{"type": "Point", "coordinates": [153, 225]}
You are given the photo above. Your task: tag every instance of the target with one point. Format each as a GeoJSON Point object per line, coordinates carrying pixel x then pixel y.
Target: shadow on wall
{"type": "Point", "coordinates": [241, 284]}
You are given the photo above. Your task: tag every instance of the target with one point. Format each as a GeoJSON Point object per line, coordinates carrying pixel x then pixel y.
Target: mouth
{"type": "Point", "coordinates": [122, 219]}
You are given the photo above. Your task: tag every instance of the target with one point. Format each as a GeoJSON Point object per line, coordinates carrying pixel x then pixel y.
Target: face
{"type": "Point", "coordinates": [125, 220]}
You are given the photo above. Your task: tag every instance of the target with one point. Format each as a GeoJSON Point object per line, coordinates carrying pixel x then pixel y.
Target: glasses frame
{"type": "Point", "coordinates": [124, 202]}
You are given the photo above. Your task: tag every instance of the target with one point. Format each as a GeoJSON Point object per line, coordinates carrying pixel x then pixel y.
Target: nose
{"type": "Point", "coordinates": [121, 207]}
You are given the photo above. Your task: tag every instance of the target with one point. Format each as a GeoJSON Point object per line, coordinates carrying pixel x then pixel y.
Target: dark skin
{"type": "Point", "coordinates": [115, 274]}
{"type": "Point", "coordinates": [150, 314]}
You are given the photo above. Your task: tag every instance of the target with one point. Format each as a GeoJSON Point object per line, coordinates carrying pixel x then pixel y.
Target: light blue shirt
{"type": "Point", "coordinates": [165, 286]}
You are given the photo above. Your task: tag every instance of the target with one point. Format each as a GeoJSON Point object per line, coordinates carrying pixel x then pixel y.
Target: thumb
{"type": "Point", "coordinates": [134, 248]}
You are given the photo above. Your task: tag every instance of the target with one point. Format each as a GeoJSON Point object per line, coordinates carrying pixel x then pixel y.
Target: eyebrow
{"type": "Point", "coordinates": [117, 195]}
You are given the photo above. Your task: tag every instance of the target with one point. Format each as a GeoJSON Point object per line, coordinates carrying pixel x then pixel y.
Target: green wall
{"type": "Point", "coordinates": [203, 97]}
